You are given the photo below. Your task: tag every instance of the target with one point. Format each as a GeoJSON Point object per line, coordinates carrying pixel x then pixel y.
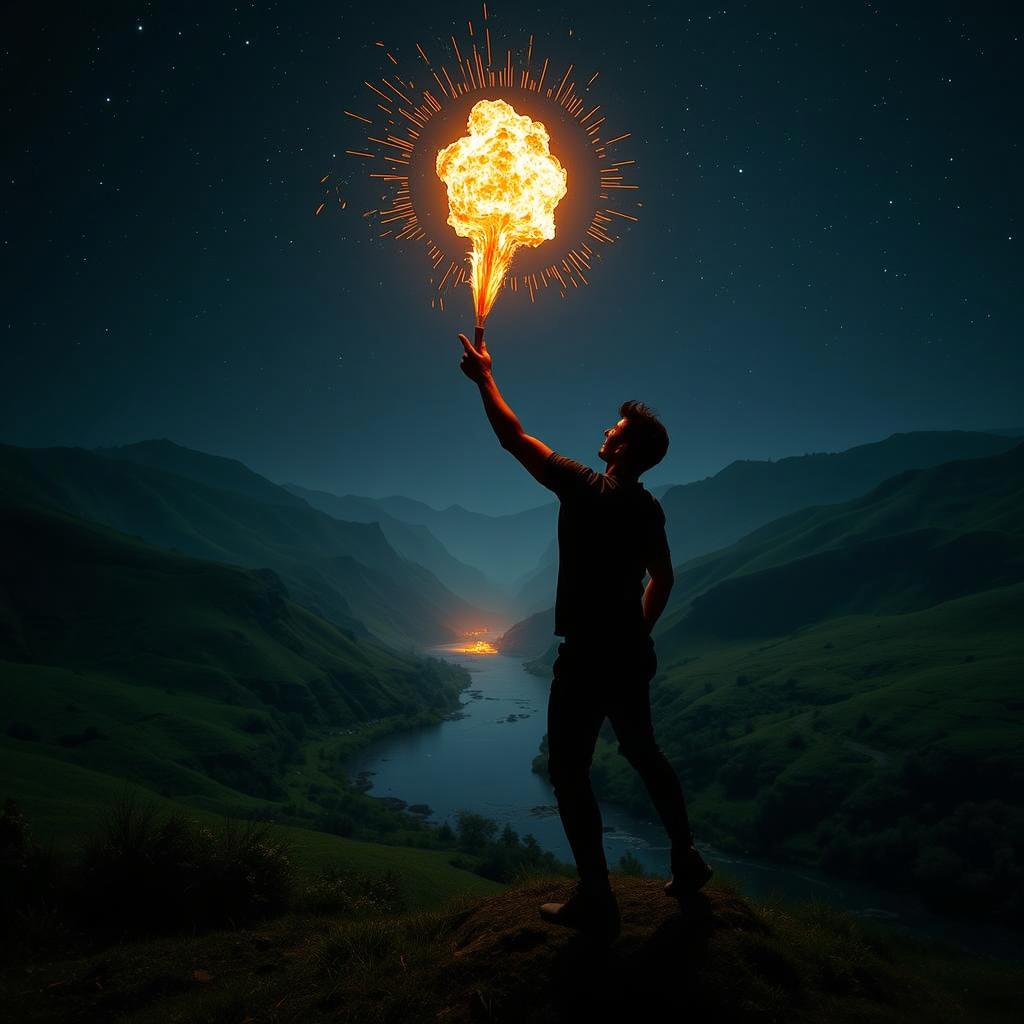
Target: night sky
{"type": "Point", "coordinates": [830, 248]}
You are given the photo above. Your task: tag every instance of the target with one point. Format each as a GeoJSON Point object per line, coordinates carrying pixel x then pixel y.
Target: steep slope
{"type": "Point", "coordinates": [530, 637]}
{"type": "Point", "coordinates": [188, 676]}
{"type": "Point", "coordinates": [343, 571]}
{"type": "Point", "coordinates": [414, 542]}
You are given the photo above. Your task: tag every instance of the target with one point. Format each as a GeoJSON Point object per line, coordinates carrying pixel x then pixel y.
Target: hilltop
{"type": "Point", "coordinates": [721, 958]}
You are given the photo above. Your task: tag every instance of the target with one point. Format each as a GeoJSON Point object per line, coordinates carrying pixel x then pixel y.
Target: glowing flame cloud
{"type": "Point", "coordinates": [503, 186]}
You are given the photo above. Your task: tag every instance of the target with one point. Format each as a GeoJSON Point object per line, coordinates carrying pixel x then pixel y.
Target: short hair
{"type": "Point", "coordinates": [645, 434]}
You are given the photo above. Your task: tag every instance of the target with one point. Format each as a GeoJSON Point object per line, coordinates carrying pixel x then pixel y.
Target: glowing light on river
{"type": "Point", "coordinates": [503, 186]}
{"type": "Point", "coordinates": [480, 647]}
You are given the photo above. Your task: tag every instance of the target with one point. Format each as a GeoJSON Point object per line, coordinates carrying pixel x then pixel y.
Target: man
{"type": "Point", "coordinates": [611, 532]}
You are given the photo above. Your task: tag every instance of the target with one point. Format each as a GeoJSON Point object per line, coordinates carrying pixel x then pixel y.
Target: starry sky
{"type": "Point", "coordinates": [829, 249]}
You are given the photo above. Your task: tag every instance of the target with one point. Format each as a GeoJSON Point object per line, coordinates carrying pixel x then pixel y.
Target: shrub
{"type": "Point", "coordinates": [144, 871]}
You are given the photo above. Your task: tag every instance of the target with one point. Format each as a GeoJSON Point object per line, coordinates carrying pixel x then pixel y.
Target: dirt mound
{"type": "Point", "coordinates": [712, 955]}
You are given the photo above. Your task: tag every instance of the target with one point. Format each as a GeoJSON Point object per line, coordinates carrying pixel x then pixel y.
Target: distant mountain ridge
{"type": "Point", "coordinates": [711, 513]}
{"type": "Point", "coordinates": [504, 547]}
{"type": "Point", "coordinates": [920, 538]}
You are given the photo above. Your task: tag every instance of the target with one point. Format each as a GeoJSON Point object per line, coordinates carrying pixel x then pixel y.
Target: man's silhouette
{"type": "Point", "coordinates": [611, 532]}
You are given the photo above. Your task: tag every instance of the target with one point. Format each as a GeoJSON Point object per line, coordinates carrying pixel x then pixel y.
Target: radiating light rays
{"type": "Point", "coordinates": [402, 103]}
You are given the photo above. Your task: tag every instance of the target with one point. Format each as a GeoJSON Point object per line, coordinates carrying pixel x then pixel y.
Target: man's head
{"type": "Point", "coordinates": [637, 442]}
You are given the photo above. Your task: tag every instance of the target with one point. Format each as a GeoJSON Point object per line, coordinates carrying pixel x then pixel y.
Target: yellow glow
{"type": "Point", "coordinates": [503, 186]}
{"type": "Point", "coordinates": [480, 647]}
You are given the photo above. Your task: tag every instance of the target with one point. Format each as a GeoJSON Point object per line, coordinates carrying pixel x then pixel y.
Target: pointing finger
{"type": "Point", "coordinates": [466, 345]}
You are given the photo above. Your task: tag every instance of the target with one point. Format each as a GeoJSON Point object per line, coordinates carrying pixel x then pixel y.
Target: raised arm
{"type": "Point", "coordinates": [476, 365]}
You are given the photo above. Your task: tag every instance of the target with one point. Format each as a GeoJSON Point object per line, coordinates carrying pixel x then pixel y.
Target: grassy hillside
{"type": "Point", "coordinates": [65, 801]}
{"type": "Point", "coordinates": [197, 679]}
{"type": "Point", "coordinates": [883, 747]}
{"type": "Point", "coordinates": [346, 572]}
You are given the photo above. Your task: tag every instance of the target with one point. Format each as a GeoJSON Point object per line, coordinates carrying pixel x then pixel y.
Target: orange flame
{"type": "Point", "coordinates": [503, 186]}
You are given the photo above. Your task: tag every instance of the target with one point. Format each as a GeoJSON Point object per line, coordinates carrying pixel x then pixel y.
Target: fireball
{"type": "Point", "coordinates": [503, 186]}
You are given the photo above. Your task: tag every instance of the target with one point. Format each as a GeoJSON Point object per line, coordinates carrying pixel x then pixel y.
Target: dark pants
{"type": "Point", "coordinates": [593, 680]}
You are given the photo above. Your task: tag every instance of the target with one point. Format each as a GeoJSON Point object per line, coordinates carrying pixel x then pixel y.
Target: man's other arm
{"type": "Point", "coordinates": [659, 586]}
{"type": "Point", "coordinates": [532, 453]}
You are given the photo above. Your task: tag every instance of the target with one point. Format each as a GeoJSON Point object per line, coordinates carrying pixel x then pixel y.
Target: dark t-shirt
{"type": "Point", "coordinates": [608, 532]}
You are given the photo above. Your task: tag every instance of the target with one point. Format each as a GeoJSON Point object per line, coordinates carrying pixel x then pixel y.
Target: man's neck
{"type": "Point", "coordinates": [623, 474]}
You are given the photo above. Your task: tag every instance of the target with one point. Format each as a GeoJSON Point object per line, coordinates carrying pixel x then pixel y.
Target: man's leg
{"type": "Point", "coordinates": [575, 714]}
{"type": "Point", "coordinates": [629, 708]}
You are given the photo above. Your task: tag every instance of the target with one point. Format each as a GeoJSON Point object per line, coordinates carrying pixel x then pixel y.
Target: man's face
{"type": "Point", "coordinates": [613, 442]}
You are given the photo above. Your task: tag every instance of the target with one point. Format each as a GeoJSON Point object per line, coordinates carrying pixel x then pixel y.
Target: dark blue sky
{"type": "Point", "coordinates": [830, 249]}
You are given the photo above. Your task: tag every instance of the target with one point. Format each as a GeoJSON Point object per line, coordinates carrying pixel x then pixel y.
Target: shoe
{"type": "Point", "coordinates": [689, 874]}
{"type": "Point", "coordinates": [594, 911]}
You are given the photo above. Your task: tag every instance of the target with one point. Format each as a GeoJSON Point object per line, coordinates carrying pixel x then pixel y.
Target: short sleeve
{"type": "Point", "coordinates": [568, 478]}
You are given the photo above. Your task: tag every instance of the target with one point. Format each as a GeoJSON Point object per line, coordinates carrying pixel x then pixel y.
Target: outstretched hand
{"type": "Point", "coordinates": [476, 362]}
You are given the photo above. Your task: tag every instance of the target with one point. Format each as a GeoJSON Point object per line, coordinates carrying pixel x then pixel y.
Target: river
{"type": "Point", "coordinates": [481, 762]}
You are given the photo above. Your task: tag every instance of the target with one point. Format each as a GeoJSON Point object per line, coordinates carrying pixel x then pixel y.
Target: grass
{"type": "Point", "coordinates": [494, 959]}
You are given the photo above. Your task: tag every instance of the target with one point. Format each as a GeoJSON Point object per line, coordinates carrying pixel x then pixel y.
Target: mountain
{"type": "Point", "coordinates": [346, 572]}
{"type": "Point", "coordinates": [213, 470]}
{"type": "Point", "coordinates": [711, 513]}
{"type": "Point", "coordinates": [920, 538]}
{"type": "Point", "coordinates": [414, 542]}
{"type": "Point", "coordinates": [503, 547]}
{"type": "Point", "coordinates": [187, 676]}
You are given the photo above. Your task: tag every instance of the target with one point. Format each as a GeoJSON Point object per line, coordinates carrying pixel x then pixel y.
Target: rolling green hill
{"type": "Point", "coordinates": [196, 679]}
{"type": "Point", "coordinates": [345, 572]}
{"type": "Point", "coordinates": [920, 538]}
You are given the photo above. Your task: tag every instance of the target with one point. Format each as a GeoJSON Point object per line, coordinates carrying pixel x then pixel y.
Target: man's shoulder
{"type": "Point", "coordinates": [567, 477]}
